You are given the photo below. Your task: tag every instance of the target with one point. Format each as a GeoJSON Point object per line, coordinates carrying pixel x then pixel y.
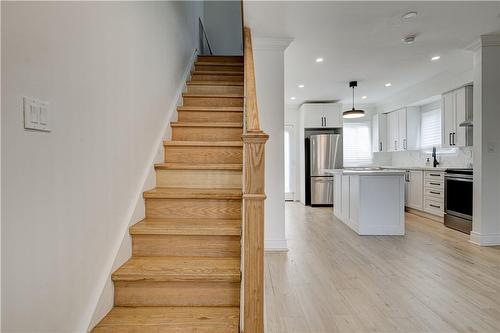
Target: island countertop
{"type": "Point", "coordinates": [366, 172]}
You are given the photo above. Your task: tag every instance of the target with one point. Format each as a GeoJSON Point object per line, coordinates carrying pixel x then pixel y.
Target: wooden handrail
{"type": "Point", "coordinates": [254, 140]}
{"type": "Point", "coordinates": [251, 108]}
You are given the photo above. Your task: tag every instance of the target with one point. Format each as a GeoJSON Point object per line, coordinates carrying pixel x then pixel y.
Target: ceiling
{"type": "Point", "coordinates": [362, 41]}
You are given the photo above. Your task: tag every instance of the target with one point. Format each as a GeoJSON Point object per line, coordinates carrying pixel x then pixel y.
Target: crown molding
{"type": "Point", "coordinates": [490, 40]}
{"type": "Point", "coordinates": [271, 43]}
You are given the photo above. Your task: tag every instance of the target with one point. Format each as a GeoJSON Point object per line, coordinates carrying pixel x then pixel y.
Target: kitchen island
{"type": "Point", "coordinates": [370, 201]}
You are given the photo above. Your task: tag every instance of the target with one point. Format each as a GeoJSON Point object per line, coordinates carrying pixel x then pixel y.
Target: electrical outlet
{"type": "Point", "coordinates": [491, 147]}
{"type": "Point", "coordinates": [36, 114]}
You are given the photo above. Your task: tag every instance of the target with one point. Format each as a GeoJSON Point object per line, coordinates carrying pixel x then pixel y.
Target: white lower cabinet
{"type": "Point", "coordinates": [344, 213]}
{"type": "Point", "coordinates": [415, 189]}
{"type": "Point", "coordinates": [337, 199]}
{"type": "Point", "coordinates": [425, 191]}
{"type": "Point", "coordinates": [371, 204]}
{"type": "Point", "coordinates": [434, 193]}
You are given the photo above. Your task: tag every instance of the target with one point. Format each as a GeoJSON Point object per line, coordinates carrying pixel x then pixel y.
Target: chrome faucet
{"type": "Point", "coordinates": [435, 163]}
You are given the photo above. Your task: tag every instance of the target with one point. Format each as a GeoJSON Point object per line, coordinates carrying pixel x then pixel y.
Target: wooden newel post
{"type": "Point", "coordinates": [253, 230]}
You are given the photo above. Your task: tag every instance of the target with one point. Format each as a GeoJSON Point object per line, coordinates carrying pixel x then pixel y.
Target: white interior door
{"type": "Point", "coordinates": [289, 163]}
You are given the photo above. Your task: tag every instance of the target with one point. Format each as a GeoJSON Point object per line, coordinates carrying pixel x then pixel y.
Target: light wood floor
{"type": "Point", "coordinates": [332, 280]}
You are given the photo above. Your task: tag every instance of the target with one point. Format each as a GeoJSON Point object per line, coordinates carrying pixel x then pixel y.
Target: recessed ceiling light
{"type": "Point", "coordinates": [319, 59]}
{"type": "Point", "coordinates": [293, 98]}
{"type": "Point", "coordinates": [409, 39]}
{"type": "Point", "coordinates": [435, 58]}
{"type": "Point", "coordinates": [388, 84]}
{"type": "Point", "coordinates": [409, 15]}
{"type": "Point", "coordinates": [301, 86]}
{"type": "Point", "coordinates": [364, 97]}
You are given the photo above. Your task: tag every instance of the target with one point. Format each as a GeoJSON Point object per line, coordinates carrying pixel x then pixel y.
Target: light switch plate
{"type": "Point", "coordinates": [36, 114]}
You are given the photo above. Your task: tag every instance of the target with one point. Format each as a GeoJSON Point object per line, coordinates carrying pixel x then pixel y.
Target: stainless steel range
{"type": "Point", "coordinates": [458, 199]}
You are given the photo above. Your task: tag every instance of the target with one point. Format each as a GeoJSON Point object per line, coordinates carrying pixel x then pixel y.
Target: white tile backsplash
{"type": "Point", "coordinates": [462, 158]}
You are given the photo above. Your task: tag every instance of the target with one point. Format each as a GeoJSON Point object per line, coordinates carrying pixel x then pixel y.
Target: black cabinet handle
{"type": "Point", "coordinates": [434, 206]}
{"type": "Point", "coordinates": [434, 192]}
{"type": "Point", "coordinates": [435, 184]}
{"type": "Point", "coordinates": [454, 138]}
{"type": "Point", "coordinates": [434, 174]}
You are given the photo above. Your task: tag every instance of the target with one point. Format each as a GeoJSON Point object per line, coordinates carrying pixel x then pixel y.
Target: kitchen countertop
{"type": "Point", "coordinates": [366, 172]}
{"type": "Point", "coordinates": [424, 168]}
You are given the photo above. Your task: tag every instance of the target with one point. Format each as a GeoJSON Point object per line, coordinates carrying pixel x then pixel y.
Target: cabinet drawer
{"type": "Point", "coordinates": [434, 193]}
{"type": "Point", "coordinates": [435, 207]}
{"type": "Point", "coordinates": [434, 175]}
{"type": "Point", "coordinates": [434, 184]}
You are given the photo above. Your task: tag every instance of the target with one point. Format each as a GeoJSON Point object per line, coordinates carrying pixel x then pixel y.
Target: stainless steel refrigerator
{"type": "Point", "coordinates": [325, 153]}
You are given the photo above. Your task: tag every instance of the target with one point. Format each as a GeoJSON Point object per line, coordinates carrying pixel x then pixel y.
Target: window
{"type": "Point", "coordinates": [357, 144]}
{"type": "Point", "coordinates": [430, 132]}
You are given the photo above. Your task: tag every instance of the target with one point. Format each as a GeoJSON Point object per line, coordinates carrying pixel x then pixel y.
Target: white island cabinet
{"type": "Point", "coordinates": [370, 202]}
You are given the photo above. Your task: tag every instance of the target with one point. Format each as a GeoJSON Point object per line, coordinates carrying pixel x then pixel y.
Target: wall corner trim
{"type": "Point", "coordinates": [88, 316]}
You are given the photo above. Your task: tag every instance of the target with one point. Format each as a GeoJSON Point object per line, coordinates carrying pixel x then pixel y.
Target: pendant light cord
{"type": "Point", "coordinates": [353, 98]}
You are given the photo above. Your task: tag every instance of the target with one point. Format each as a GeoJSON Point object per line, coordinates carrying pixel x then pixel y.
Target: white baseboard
{"type": "Point", "coordinates": [484, 240]}
{"type": "Point", "coordinates": [276, 245]}
{"type": "Point", "coordinates": [102, 298]}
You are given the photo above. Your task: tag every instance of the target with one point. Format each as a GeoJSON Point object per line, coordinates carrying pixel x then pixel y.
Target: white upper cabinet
{"type": "Point", "coordinates": [403, 129]}
{"type": "Point", "coordinates": [392, 131]}
{"type": "Point", "coordinates": [456, 107]}
{"type": "Point", "coordinates": [379, 132]}
{"type": "Point", "coordinates": [318, 115]}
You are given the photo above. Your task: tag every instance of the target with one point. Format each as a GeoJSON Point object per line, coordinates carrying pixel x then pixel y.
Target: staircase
{"type": "Point", "coordinates": [184, 274]}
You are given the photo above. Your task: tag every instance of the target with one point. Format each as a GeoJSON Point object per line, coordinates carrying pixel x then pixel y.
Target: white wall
{"type": "Point", "coordinates": [486, 222]}
{"type": "Point", "coordinates": [292, 118]}
{"type": "Point", "coordinates": [0, 179]}
{"type": "Point", "coordinates": [110, 72]}
{"type": "Point", "coordinates": [222, 23]}
{"type": "Point", "coordinates": [269, 76]}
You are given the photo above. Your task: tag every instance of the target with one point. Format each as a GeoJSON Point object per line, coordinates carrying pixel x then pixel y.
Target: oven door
{"type": "Point", "coordinates": [458, 196]}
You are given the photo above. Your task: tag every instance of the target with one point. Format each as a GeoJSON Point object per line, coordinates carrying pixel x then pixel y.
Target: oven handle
{"type": "Point", "coordinates": [459, 179]}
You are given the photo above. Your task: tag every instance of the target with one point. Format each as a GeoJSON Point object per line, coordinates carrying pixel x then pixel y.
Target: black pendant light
{"type": "Point", "coordinates": [353, 113]}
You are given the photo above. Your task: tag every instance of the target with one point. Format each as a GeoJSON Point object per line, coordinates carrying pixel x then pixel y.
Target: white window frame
{"type": "Point", "coordinates": [434, 128]}
{"type": "Point", "coordinates": [364, 153]}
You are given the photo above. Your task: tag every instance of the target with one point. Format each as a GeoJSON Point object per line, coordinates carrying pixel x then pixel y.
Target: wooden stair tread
{"type": "Point", "coordinates": [203, 143]}
{"type": "Point", "coordinates": [211, 108]}
{"type": "Point", "coordinates": [205, 124]}
{"type": "Point", "coordinates": [148, 319]}
{"type": "Point", "coordinates": [162, 269]}
{"type": "Point", "coordinates": [214, 63]}
{"type": "Point", "coordinates": [205, 95]}
{"type": "Point", "coordinates": [228, 73]}
{"type": "Point", "coordinates": [200, 166]}
{"type": "Point", "coordinates": [217, 227]}
{"type": "Point", "coordinates": [194, 193]}
{"type": "Point", "coordinates": [215, 83]}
